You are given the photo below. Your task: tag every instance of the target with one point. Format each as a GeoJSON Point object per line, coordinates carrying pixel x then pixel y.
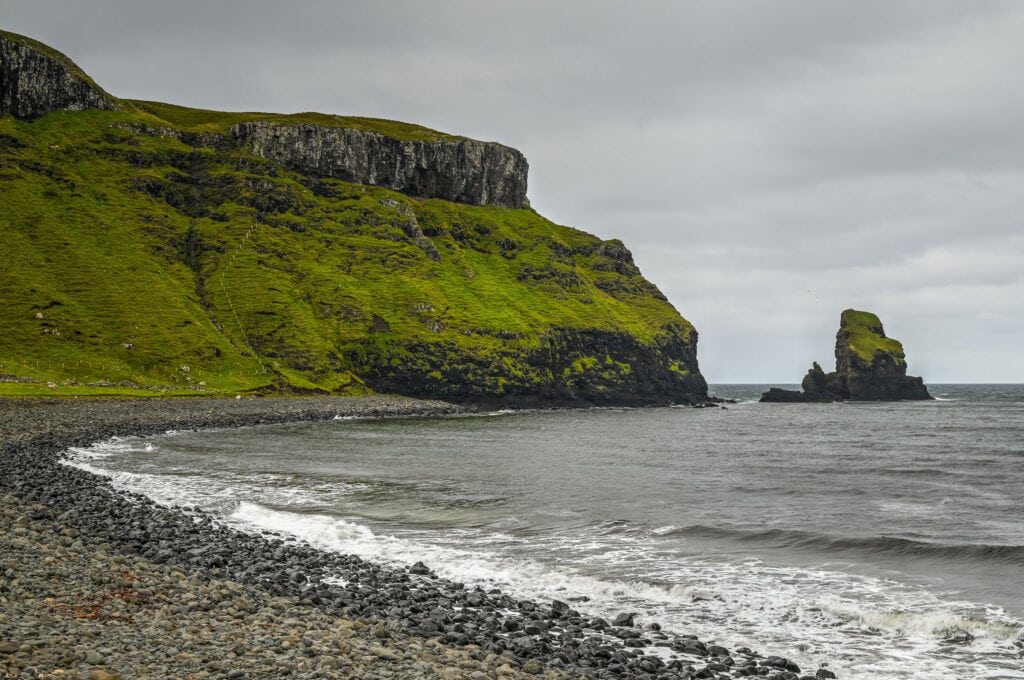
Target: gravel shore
{"type": "Point", "coordinates": [99, 584]}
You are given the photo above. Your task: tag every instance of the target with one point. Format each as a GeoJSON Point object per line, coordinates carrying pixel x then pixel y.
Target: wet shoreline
{"type": "Point", "coordinates": [409, 610]}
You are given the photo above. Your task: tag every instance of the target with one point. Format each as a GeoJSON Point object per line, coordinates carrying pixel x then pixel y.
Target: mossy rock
{"type": "Point", "coordinates": [865, 336]}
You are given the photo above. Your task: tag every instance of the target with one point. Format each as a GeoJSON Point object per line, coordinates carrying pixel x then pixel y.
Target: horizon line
{"type": "Point", "coordinates": [927, 382]}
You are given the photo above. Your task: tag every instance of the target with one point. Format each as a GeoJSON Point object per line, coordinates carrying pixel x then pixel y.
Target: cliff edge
{"type": "Point", "coordinates": [460, 170]}
{"type": "Point", "coordinates": [869, 367]}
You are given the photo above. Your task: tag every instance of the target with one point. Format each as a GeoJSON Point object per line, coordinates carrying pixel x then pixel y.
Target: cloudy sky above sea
{"type": "Point", "coordinates": [768, 163]}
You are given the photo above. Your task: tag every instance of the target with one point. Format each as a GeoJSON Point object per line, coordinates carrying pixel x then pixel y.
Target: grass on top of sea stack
{"type": "Point", "coordinates": [866, 336]}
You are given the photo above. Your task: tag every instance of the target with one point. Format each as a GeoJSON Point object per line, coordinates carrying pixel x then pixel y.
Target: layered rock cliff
{"type": "Point", "coordinates": [571, 366]}
{"type": "Point", "coordinates": [461, 170]}
{"type": "Point", "coordinates": [869, 367]}
{"type": "Point", "coordinates": [157, 245]}
{"type": "Point", "coordinates": [35, 80]}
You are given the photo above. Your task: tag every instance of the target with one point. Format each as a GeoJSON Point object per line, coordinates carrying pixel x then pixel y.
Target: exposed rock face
{"type": "Point", "coordinates": [461, 170]}
{"type": "Point", "coordinates": [869, 367]}
{"type": "Point", "coordinates": [571, 367]}
{"type": "Point", "coordinates": [35, 80]}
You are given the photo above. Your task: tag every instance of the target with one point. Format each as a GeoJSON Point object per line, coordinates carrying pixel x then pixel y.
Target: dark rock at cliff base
{"type": "Point", "coordinates": [571, 366]}
{"type": "Point", "coordinates": [460, 170]}
{"type": "Point", "coordinates": [869, 367]}
{"type": "Point", "coordinates": [36, 79]}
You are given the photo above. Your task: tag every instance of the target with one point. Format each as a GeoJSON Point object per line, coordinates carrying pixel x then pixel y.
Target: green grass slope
{"type": "Point", "coordinates": [135, 259]}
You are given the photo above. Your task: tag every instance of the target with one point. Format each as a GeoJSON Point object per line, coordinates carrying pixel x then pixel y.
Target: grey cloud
{"type": "Point", "coordinates": [769, 164]}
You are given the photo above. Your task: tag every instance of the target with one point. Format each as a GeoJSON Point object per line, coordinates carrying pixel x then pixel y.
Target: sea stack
{"type": "Point", "coordinates": [869, 367]}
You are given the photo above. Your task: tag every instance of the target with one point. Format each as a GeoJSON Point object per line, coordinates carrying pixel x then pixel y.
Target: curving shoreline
{"type": "Point", "coordinates": [247, 605]}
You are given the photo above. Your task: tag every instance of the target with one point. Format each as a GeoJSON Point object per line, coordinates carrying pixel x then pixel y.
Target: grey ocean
{"type": "Point", "coordinates": [886, 539]}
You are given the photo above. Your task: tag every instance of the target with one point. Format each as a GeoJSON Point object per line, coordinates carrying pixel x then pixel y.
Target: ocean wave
{"type": "Point", "coordinates": [943, 625]}
{"type": "Point", "coordinates": [788, 538]}
{"type": "Point", "coordinates": [921, 472]}
{"type": "Point", "coordinates": [521, 576]}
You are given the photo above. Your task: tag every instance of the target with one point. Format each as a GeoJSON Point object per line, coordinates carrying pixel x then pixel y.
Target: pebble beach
{"type": "Point", "coordinates": [98, 584]}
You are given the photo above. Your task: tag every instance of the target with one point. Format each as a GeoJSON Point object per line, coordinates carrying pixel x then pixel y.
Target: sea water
{"type": "Point", "coordinates": [885, 539]}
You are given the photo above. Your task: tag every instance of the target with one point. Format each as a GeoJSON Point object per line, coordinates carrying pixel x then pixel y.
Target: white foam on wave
{"type": "Point", "coordinates": [157, 487]}
{"type": "Point", "coordinates": [939, 624]}
{"type": "Point", "coordinates": [665, 530]}
{"type": "Point", "coordinates": [320, 531]}
{"type": "Point", "coordinates": [494, 414]}
{"type": "Point", "coordinates": [898, 507]}
{"type": "Point", "coordinates": [461, 556]}
{"type": "Point", "coordinates": [216, 493]}
{"type": "Point", "coordinates": [831, 617]}
{"type": "Point", "coordinates": [522, 577]}
{"type": "Point", "coordinates": [101, 450]}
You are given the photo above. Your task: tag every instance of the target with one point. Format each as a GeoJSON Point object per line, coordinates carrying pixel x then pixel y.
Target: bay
{"type": "Point", "coordinates": [886, 539]}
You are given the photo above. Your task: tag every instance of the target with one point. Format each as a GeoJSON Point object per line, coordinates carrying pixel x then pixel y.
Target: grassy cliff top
{"type": "Point", "coordinates": [202, 120]}
{"type": "Point", "coordinates": [866, 335]}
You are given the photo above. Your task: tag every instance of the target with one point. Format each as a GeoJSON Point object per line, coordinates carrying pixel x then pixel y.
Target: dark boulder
{"type": "Point", "coordinates": [779, 395]}
{"type": "Point", "coordinates": [623, 619]}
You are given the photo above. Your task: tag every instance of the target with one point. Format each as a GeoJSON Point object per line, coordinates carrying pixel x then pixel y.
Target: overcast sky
{"type": "Point", "coordinates": [768, 163]}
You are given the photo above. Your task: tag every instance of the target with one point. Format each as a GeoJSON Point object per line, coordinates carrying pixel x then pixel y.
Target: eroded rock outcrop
{"type": "Point", "coordinates": [460, 170]}
{"type": "Point", "coordinates": [36, 79]}
{"type": "Point", "coordinates": [869, 367]}
{"type": "Point", "coordinates": [572, 366]}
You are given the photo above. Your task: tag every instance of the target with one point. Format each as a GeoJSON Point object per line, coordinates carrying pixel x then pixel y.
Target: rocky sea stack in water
{"type": "Point", "coordinates": [869, 367]}
{"type": "Point", "coordinates": [257, 252]}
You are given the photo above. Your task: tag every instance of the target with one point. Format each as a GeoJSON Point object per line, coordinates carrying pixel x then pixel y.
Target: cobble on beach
{"type": "Point", "coordinates": [96, 583]}
{"type": "Point", "coordinates": [73, 606]}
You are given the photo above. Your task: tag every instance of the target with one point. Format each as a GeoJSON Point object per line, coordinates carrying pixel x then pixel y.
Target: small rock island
{"type": "Point", "coordinates": [869, 367]}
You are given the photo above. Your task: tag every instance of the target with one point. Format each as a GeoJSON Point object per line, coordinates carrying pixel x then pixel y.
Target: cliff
{"type": "Point", "coordinates": [461, 170]}
{"type": "Point", "coordinates": [155, 246]}
{"type": "Point", "coordinates": [36, 79]}
{"type": "Point", "coordinates": [869, 367]}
